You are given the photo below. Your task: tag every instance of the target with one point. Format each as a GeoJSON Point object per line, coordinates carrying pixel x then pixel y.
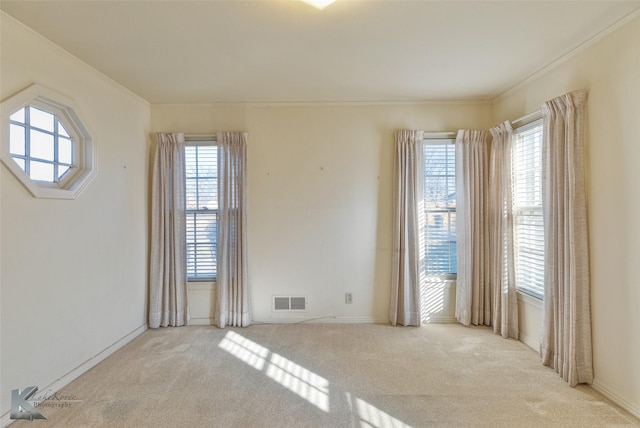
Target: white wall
{"type": "Point", "coordinates": [320, 192]}
{"type": "Point", "coordinates": [73, 272]}
{"type": "Point", "coordinates": [610, 71]}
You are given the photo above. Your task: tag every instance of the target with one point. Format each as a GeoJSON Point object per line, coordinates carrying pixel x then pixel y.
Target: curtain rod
{"type": "Point", "coordinates": [200, 137]}
{"type": "Point", "coordinates": [527, 119]}
{"type": "Point", "coordinates": [521, 121]}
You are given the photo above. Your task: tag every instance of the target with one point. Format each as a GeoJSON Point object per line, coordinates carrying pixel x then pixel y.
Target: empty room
{"type": "Point", "coordinates": [319, 214]}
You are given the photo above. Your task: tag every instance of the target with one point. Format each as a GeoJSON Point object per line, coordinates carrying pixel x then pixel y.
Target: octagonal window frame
{"type": "Point", "coordinates": [84, 161]}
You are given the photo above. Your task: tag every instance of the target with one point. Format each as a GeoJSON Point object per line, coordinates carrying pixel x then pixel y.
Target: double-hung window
{"type": "Point", "coordinates": [527, 208]}
{"type": "Point", "coordinates": [439, 223]}
{"type": "Point", "coordinates": [201, 173]}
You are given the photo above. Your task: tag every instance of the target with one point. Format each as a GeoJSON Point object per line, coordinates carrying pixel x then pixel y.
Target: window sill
{"type": "Point", "coordinates": [201, 285]}
{"type": "Point", "coordinates": [530, 299]}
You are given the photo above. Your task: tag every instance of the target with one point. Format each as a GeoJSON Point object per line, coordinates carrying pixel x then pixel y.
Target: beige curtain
{"type": "Point", "coordinates": [473, 292]}
{"type": "Point", "coordinates": [233, 297]}
{"type": "Point", "coordinates": [168, 270]}
{"type": "Point", "coordinates": [566, 336]}
{"type": "Point", "coordinates": [504, 304]}
{"type": "Point", "coordinates": [405, 281]}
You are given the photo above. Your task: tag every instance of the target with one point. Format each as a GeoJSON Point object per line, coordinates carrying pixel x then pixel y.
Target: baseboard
{"type": "Point", "coordinates": [529, 341]}
{"type": "Point", "coordinates": [615, 398]}
{"type": "Point", "coordinates": [440, 319]}
{"type": "Point", "coordinates": [323, 320]}
{"type": "Point", "coordinates": [72, 375]}
{"type": "Point", "coordinates": [201, 321]}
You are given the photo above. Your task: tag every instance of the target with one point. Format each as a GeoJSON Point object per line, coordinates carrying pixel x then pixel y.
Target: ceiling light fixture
{"type": "Point", "coordinates": [319, 4]}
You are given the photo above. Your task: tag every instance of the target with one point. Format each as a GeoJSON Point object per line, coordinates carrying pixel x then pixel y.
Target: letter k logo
{"type": "Point", "coordinates": [21, 408]}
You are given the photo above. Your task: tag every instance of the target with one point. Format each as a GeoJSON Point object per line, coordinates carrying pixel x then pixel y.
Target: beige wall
{"type": "Point", "coordinates": [610, 71]}
{"type": "Point", "coordinates": [73, 272]}
{"type": "Point", "coordinates": [320, 184]}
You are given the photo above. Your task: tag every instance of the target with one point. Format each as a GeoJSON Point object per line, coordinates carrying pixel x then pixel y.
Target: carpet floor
{"type": "Point", "coordinates": [326, 375]}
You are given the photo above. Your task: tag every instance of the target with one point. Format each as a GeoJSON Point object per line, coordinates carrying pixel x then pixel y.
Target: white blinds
{"type": "Point", "coordinates": [527, 208]}
{"type": "Point", "coordinates": [439, 223]}
{"type": "Point", "coordinates": [201, 162]}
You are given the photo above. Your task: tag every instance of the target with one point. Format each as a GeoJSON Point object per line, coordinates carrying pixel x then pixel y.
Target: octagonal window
{"type": "Point", "coordinates": [40, 144]}
{"type": "Point", "coordinates": [45, 144]}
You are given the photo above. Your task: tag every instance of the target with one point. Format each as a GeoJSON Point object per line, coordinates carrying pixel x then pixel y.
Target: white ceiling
{"type": "Point", "coordinates": [287, 51]}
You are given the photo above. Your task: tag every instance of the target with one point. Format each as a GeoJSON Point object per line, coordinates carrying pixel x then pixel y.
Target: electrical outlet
{"type": "Point", "coordinates": [348, 298]}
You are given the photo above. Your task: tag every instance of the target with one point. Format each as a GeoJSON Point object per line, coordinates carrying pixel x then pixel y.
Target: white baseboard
{"type": "Point", "coordinates": [609, 394]}
{"type": "Point", "coordinates": [72, 375]}
{"type": "Point", "coordinates": [529, 341]}
{"type": "Point", "coordinates": [441, 319]}
{"type": "Point", "coordinates": [201, 321]}
{"type": "Point", "coordinates": [323, 320]}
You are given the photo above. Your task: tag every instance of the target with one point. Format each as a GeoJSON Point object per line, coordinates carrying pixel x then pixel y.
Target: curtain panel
{"type": "Point", "coordinates": [473, 292]}
{"type": "Point", "coordinates": [566, 335]}
{"type": "Point", "coordinates": [233, 294]}
{"type": "Point", "coordinates": [168, 266]}
{"type": "Point", "coordinates": [504, 304]}
{"type": "Point", "coordinates": [405, 269]}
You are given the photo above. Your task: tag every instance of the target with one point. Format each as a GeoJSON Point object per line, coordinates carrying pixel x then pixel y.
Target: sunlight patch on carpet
{"type": "Point", "coordinates": [371, 416]}
{"type": "Point", "coordinates": [245, 350]}
{"type": "Point", "coordinates": [305, 383]}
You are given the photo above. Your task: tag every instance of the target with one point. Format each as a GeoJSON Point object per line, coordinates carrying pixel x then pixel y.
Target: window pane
{"type": "Point", "coordinates": [41, 171]}
{"type": "Point", "coordinates": [201, 171]}
{"type": "Point", "coordinates": [17, 140]}
{"type": "Point", "coordinates": [62, 170]}
{"type": "Point", "coordinates": [64, 150]}
{"type": "Point", "coordinates": [41, 119]}
{"type": "Point", "coordinates": [20, 163]}
{"type": "Point", "coordinates": [62, 130]}
{"type": "Point", "coordinates": [439, 225]}
{"type": "Point", "coordinates": [41, 145]}
{"type": "Point", "coordinates": [527, 208]}
{"type": "Point", "coordinates": [18, 116]}
{"type": "Point", "coordinates": [201, 243]}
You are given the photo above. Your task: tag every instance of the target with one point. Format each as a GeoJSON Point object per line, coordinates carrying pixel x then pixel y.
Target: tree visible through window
{"type": "Point", "coordinates": [201, 169]}
{"type": "Point", "coordinates": [439, 225]}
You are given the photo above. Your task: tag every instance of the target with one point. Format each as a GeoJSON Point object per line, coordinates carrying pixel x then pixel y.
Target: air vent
{"type": "Point", "coordinates": [289, 303]}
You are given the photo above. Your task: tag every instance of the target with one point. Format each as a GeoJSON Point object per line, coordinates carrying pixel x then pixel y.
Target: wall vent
{"type": "Point", "coordinates": [289, 303]}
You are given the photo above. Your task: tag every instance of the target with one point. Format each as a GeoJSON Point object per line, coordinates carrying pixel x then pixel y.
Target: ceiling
{"type": "Point", "coordinates": [287, 51]}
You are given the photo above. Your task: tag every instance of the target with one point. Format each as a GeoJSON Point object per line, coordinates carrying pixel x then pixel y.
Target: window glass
{"type": "Point", "coordinates": [201, 171]}
{"type": "Point", "coordinates": [40, 144]}
{"type": "Point", "coordinates": [527, 208]}
{"type": "Point", "coordinates": [439, 225]}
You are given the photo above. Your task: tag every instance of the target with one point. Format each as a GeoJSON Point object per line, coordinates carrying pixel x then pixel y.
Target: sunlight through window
{"type": "Point", "coordinates": [432, 297]}
{"type": "Point", "coordinates": [245, 350]}
{"type": "Point", "coordinates": [371, 416]}
{"type": "Point", "coordinates": [305, 383]}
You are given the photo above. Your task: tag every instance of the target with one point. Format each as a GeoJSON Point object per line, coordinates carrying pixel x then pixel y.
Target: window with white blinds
{"type": "Point", "coordinates": [201, 169]}
{"type": "Point", "coordinates": [527, 208]}
{"type": "Point", "coordinates": [439, 223]}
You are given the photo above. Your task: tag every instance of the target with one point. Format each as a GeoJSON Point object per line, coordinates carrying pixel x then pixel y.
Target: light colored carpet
{"type": "Point", "coordinates": [312, 375]}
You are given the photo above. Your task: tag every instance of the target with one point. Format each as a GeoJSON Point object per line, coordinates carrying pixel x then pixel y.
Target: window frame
{"type": "Point", "coordinates": [437, 139]}
{"type": "Point", "coordinates": [65, 110]}
{"type": "Point", "coordinates": [525, 124]}
{"type": "Point", "coordinates": [58, 181]}
{"type": "Point", "coordinates": [191, 141]}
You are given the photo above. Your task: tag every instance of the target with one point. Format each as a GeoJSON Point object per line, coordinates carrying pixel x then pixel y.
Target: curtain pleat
{"type": "Point", "coordinates": [405, 282]}
{"type": "Point", "coordinates": [233, 294]}
{"type": "Point", "coordinates": [504, 304]}
{"type": "Point", "coordinates": [473, 293]}
{"type": "Point", "coordinates": [168, 271]}
{"type": "Point", "coordinates": [566, 335]}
